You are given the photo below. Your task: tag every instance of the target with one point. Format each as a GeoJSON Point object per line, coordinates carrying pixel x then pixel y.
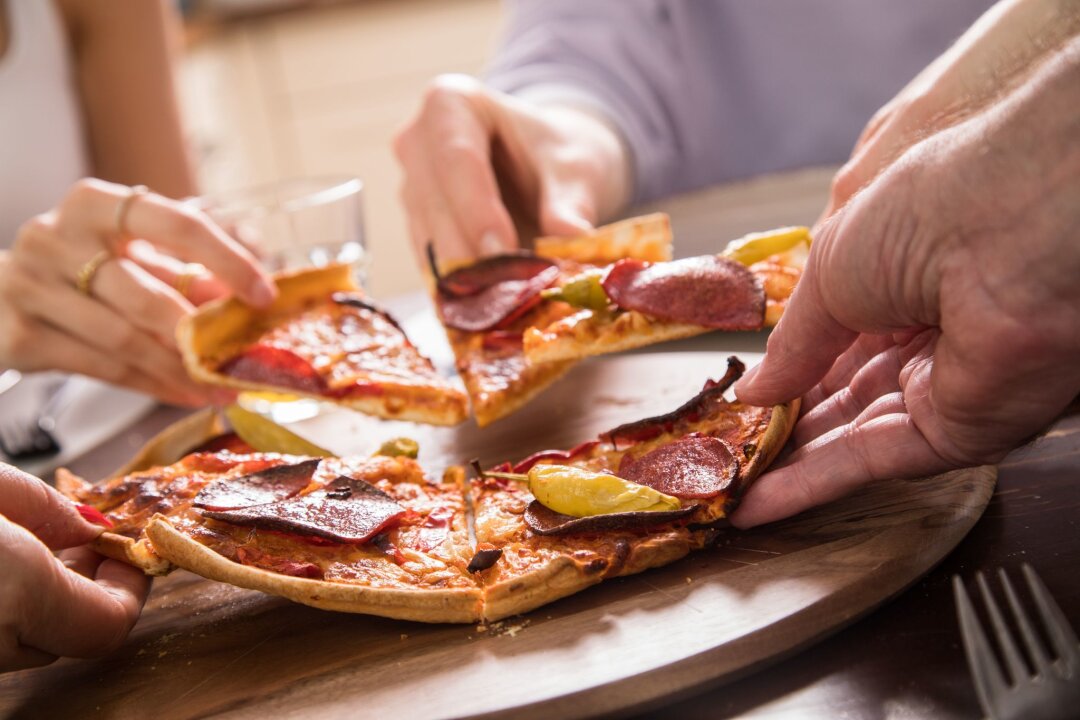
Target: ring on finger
{"type": "Point", "coordinates": [186, 276]}
{"type": "Point", "coordinates": [124, 207]}
{"type": "Point", "coordinates": [85, 275]}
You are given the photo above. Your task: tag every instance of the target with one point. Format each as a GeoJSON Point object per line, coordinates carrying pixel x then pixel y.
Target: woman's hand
{"type": "Point", "coordinates": [81, 606]}
{"type": "Point", "coordinates": [121, 330]}
{"type": "Point", "coordinates": [476, 162]}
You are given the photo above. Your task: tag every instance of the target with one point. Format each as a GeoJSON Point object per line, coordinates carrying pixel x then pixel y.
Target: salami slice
{"type": "Point", "coordinates": [346, 511]}
{"type": "Point", "coordinates": [692, 410]}
{"type": "Point", "coordinates": [493, 291]}
{"type": "Point", "coordinates": [710, 291]}
{"type": "Point", "coordinates": [542, 520]}
{"type": "Point", "coordinates": [270, 365]}
{"type": "Point", "coordinates": [265, 486]}
{"type": "Point", "coordinates": [693, 467]}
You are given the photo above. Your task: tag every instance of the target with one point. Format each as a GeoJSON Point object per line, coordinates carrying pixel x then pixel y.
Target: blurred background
{"type": "Point", "coordinates": [275, 89]}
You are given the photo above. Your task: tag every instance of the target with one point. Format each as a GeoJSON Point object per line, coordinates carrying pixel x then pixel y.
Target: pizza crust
{"type": "Point", "coordinates": [647, 237]}
{"type": "Point", "coordinates": [457, 605]}
{"type": "Point", "coordinates": [588, 333]}
{"type": "Point", "coordinates": [217, 330]}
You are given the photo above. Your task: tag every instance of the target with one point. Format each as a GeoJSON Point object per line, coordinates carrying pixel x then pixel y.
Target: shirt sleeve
{"type": "Point", "coordinates": [619, 58]}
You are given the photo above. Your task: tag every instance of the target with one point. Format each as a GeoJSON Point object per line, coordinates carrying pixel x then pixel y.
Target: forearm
{"type": "Point", "coordinates": [124, 53]}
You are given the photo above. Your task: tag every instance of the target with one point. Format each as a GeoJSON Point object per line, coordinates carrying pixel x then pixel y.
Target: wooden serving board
{"type": "Point", "coordinates": [202, 648]}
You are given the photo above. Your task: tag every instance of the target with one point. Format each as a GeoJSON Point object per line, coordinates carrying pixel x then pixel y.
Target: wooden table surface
{"type": "Point", "coordinates": [905, 659]}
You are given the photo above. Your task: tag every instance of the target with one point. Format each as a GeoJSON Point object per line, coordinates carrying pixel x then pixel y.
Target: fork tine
{"type": "Point", "coordinates": [1031, 642]}
{"type": "Point", "coordinates": [1017, 669]}
{"type": "Point", "coordinates": [1061, 634]}
{"type": "Point", "coordinates": [989, 684]}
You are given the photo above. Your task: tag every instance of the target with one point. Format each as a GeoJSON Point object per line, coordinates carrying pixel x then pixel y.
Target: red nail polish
{"type": "Point", "coordinates": [93, 515]}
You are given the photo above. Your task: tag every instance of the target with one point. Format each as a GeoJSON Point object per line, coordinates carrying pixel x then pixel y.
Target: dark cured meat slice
{"type": "Point", "coordinates": [693, 467]}
{"type": "Point", "coordinates": [690, 411]}
{"type": "Point", "coordinates": [526, 464]}
{"type": "Point", "coordinates": [542, 520]}
{"type": "Point", "coordinates": [265, 486]}
{"type": "Point", "coordinates": [271, 365]}
{"type": "Point", "coordinates": [710, 291]}
{"type": "Point", "coordinates": [493, 291]}
{"type": "Point", "coordinates": [346, 511]}
{"type": "Point", "coordinates": [228, 442]}
{"type": "Point", "coordinates": [484, 558]}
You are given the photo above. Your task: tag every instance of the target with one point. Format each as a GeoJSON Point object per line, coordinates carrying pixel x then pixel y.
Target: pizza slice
{"type": "Point", "coordinates": [639, 496]}
{"type": "Point", "coordinates": [367, 535]}
{"type": "Point", "coordinates": [322, 338]}
{"type": "Point", "coordinates": [632, 303]}
{"type": "Point", "coordinates": [488, 307]}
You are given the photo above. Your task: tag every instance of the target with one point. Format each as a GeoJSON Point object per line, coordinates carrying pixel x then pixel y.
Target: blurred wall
{"type": "Point", "coordinates": [322, 91]}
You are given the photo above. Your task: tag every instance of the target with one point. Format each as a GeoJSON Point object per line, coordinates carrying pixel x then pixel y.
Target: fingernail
{"type": "Point", "coordinates": [262, 293]}
{"type": "Point", "coordinates": [490, 244]}
{"type": "Point", "coordinates": [93, 515]}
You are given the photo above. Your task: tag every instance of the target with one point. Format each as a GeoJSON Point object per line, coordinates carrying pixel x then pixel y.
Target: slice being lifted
{"type": "Point", "coordinates": [487, 308]}
{"type": "Point", "coordinates": [324, 339]}
{"type": "Point", "coordinates": [632, 304]}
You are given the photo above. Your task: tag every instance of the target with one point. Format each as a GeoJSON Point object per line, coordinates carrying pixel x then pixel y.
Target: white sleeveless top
{"type": "Point", "coordinates": [42, 148]}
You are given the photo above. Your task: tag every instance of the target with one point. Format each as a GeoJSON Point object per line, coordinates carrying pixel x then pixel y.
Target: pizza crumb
{"type": "Point", "coordinates": [481, 628]}
{"type": "Point", "coordinates": [404, 636]}
{"type": "Point", "coordinates": [163, 653]}
{"type": "Point", "coordinates": [188, 662]}
{"type": "Point", "coordinates": [688, 581]}
{"type": "Point", "coordinates": [502, 628]}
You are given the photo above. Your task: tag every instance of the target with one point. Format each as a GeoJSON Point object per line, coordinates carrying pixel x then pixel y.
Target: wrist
{"type": "Point", "coordinates": [600, 143]}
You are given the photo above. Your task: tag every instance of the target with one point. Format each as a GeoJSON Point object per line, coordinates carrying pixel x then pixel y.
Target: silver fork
{"type": "Point", "coordinates": [1050, 686]}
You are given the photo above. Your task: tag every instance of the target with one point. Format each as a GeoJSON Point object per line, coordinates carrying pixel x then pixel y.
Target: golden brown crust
{"type": "Point", "coordinates": [218, 330]}
{"type": "Point", "coordinates": [587, 333]}
{"type": "Point", "coordinates": [460, 605]}
{"type": "Point", "coordinates": [134, 552]}
{"type": "Point", "coordinates": [776, 435]}
{"type": "Point", "coordinates": [647, 237]}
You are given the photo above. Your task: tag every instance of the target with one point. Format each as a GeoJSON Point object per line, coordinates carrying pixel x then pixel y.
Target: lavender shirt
{"type": "Point", "coordinates": [706, 91]}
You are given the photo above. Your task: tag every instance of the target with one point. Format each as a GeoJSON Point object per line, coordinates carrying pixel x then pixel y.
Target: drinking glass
{"type": "Point", "coordinates": [290, 224]}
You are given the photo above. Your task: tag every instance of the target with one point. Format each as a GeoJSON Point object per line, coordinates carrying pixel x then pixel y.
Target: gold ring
{"type": "Point", "coordinates": [136, 192]}
{"type": "Point", "coordinates": [86, 273]}
{"type": "Point", "coordinates": [184, 278]}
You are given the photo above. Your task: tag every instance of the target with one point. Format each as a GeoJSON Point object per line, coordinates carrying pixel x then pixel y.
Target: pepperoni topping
{"type": "Point", "coordinates": [693, 410]}
{"type": "Point", "coordinates": [265, 486]}
{"type": "Point", "coordinates": [693, 467]}
{"type": "Point", "coordinates": [270, 365]}
{"type": "Point", "coordinates": [492, 292]}
{"type": "Point", "coordinates": [486, 555]}
{"type": "Point", "coordinates": [710, 291]}
{"type": "Point", "coordinates": [525, 465]}
{"type": "Point", "coordinates": [346, 511]}
{"type": "Point", "coordinates": [542, 520]}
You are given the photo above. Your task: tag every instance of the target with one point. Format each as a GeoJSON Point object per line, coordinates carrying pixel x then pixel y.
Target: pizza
{"type": "Point", "coordinates": [379, 535]}
{"type": "Point", "coordinates": [518, 322]}
{"type": "Point", "coordinates": [633, 303]}
{"type": "Point", "coordinates": [324, 339]}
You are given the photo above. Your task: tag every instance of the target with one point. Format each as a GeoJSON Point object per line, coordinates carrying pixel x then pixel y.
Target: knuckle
{"type": "Point", "coordinates": [31, 234]}
{"type": "Point", "coordinates": [83, 192]}
{"type": "Point", "coordinates": [17, 342]}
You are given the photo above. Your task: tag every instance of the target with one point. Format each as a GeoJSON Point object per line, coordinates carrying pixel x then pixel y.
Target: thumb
{"type": "Point", "coordinates": [848, 287]}
{"type": "Point", "coordinates": [29, 502]}
{"type": "Point", "coordinates": [800, 350]}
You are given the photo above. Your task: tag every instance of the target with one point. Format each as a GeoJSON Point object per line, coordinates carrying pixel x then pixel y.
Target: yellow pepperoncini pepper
{"type": "Point", "coordinates": [582, 291]}
{"type": "Point", "coordinates": [399, 447]}
{"type": "Point", "coordinates": [265, 435]}
{"type": "Point", "coordinates": [755, 247]}
{"type": "Point", "coordinates": [581, 493]}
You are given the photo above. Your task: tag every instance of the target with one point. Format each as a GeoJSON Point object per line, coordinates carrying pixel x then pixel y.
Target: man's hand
{"type": "Point", "coordinates": [479, 164]}
{"type": "Point", "coordinates": [938, 321]}
{"type": "Point", "coordinates": [81, 606]}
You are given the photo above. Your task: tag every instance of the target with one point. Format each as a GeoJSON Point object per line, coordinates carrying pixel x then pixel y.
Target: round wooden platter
{"type": "Point", "coordinates": [202, 648]}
